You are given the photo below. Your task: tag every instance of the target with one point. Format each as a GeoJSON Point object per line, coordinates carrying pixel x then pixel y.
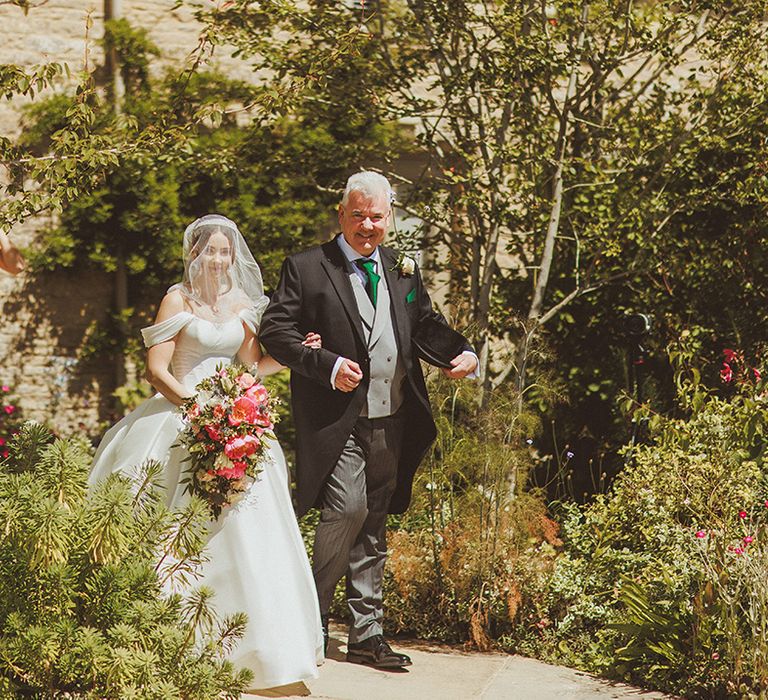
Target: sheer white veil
{"type": "Point", "coordinates": [220, 289]}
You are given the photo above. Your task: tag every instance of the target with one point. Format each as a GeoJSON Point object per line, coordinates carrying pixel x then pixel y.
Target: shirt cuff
{"type": "Point", "coordinates": [335, 371]}
{"type": "Point", "coordinates": [476, 373]}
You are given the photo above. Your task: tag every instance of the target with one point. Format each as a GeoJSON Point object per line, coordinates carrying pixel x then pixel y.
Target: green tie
{"type": "Point", "coordinates": [369, 267]}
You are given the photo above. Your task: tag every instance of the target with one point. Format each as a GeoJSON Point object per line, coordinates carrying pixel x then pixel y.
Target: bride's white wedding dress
{"type": "Point", "coordinates": [257, 563]}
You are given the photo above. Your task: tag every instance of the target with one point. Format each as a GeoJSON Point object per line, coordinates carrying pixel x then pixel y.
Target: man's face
{"type": "Point", "coordinates": [364, 221]}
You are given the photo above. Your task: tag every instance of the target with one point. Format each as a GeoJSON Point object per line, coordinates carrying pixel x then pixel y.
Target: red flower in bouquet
{"type": "Point", "coordinates": [228, 427]}
{"type": "Point", "coordinates": [213, 433]}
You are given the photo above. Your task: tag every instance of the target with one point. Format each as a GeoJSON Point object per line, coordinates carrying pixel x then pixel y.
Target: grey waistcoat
{"type": "Point", "coordinates": [385, 389]}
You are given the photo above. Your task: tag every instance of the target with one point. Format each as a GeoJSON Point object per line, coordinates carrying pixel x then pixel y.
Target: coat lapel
{"type": "Point", "coordinates": [334, 265]}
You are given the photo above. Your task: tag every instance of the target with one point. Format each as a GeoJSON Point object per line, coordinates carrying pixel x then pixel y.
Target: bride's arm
{"type": "Point", "coordinates": [250, 352]}
{"type": "Point", "coordinates": [159, 356]}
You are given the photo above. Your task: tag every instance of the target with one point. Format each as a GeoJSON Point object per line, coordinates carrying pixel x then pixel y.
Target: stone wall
{"type": "Point", "coordinates": [46, 317]}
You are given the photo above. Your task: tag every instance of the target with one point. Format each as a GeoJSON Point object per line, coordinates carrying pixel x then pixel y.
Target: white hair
{"type": "Point", "coordinates": [370, 184]}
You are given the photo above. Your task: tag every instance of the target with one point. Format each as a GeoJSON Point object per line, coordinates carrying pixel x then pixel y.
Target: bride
{"type": "Point", "coordinates": [257, 561]}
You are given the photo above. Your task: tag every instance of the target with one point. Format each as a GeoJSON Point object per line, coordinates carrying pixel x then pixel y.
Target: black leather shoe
{"type": "Point", "coordinates": [375, 651]}
{"type": "Point", "coordinates": [324, 623]}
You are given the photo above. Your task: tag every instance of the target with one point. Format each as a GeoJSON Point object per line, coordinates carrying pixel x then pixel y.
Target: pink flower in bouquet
{"type": "Point", "coordinates": [229, 469]}
{"type": "Point", "coordinates": [262, 419]}
{"type": "Point", "coordinates": [5, 388]}
{"type": "Point", "coordinates": [193, 412]}
{"type": "Point", "coordinates": [9, 409]}
{"type": "Point", "coordinates": [258, 392]}
{"type": "Point", "coordinates": [213, 432]}
{"type": "Point", "coordinates": [239, 447]}
{"type": "Point", "coordinates": [219, 411]}
{"type": "Point", "coordinates": [244, 410]}
{"type": "Point", "coordinates": [246, 380]}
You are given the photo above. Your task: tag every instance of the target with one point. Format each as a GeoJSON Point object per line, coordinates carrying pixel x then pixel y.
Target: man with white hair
{"type": "Point", "coordinates": [360, 404]}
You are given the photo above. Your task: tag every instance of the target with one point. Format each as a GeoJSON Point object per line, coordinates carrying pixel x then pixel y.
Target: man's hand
{"type": "Point", "coordinates": [313, 340]}
{"type": "Point", "coordinates": [348, 376]}
{"type": "Point", "coordinates": [463, 364]}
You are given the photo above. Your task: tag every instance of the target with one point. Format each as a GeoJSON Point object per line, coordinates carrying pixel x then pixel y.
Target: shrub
{"type": "Point", "coordinates": [662, 581]}
{"type": "Point", "coordinates": [470, 561]}
{"type": "Point", "coordinates": [83, 612]}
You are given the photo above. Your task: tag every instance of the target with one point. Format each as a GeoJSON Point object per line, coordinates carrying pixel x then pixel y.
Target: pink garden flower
{"type": "Point", "coordinates": [757, 374]}
{"type": "Point", "coordinates": [726, 373]}
{"type": "Point", "coordinates": [729, 355]}
{"type": "Point", "coordinates": [9, 409]}
{"type": "Point", "coordinates": [748, 539]}
{"type": "Point", "coordinates": [742, 514]}
{"type": "Point", "coordinates": [701, 534]}
{"type": "Point", "coordinates": [5, 388]}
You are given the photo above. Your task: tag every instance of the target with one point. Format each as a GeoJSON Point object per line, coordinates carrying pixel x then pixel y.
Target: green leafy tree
{"type": "Point", "coordinates": [552, 133]}
{"type": "Point", "coordinates": [245, 163]}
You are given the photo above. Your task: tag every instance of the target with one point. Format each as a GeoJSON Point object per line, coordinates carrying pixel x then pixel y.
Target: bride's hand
{"type": "Point", "coordinates": [313, 340]}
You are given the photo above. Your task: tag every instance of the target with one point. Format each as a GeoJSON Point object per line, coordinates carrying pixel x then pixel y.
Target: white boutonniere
{"type": "Point", "coordinates": [405, 265]}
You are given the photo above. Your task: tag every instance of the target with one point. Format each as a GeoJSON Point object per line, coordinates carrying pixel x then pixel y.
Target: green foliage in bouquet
{"type": "Point", "coordinates": [83, 613]}
{"type": "Point", "coordinates": [662, 580]}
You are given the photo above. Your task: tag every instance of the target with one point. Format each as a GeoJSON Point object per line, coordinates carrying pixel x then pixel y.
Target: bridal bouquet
{"type": "Point", "coordinates": [228, 423]}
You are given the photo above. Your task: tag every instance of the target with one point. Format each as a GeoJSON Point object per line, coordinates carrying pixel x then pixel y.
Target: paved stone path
{"type": "Point", "coordinates": [442, 673]}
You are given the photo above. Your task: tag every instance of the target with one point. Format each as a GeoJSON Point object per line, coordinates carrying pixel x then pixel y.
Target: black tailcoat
{"type": "Point", "coordinates": [315, 294]}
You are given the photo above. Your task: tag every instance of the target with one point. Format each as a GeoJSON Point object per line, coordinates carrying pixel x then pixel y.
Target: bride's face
{"type": "Point", "coordinates": [216, 256]}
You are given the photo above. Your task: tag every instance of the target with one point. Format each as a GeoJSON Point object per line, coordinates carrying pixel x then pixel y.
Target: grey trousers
{"type": "Point", "coordinates": [350, 537]}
